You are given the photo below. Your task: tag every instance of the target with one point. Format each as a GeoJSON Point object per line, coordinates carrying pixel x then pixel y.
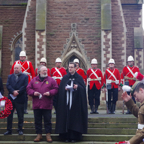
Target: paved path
{"type": "Point", "coordinates": [102, 114]}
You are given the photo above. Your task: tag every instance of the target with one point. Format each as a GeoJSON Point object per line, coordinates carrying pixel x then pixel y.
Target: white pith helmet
{"type": "Point", "coordinates": [58, 60]}
{"type": "Point", "coordinates": [94, 61]}
{"type": "Point", "coordinates": [76, 60]}
{"type": "Point", "coordinates": [130, 58]}
{"type": "Point", "coordinates": [22, 53]}
{"type": "Point", "coordinates": [111, 61]}
{"type": "Point", "coordinates": [43, 60]}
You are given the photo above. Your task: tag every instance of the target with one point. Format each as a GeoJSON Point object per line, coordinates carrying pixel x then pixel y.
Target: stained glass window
{"type": "Point", "coordinates": [17, 48]}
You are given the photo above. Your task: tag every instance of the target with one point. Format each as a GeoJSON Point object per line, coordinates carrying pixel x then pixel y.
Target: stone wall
{"type": "Point", "coordinates": [132, 14]}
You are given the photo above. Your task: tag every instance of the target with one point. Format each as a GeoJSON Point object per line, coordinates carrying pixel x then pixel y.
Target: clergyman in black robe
{"type": "Point", "coordinates": [72, 115]}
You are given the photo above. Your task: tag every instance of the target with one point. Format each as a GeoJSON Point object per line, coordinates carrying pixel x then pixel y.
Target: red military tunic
{"type": "Point", "coordinates": [91, 75]}
{"type": "Point", "coordinates": [48, 72]}
{"type": "Point", "coordinates": [58, 73]}
{"type": "Point", "coordinates": [127, 73]}
{"type": "Point", "coordinates": [26, 67]}
{"type": "Point", "coordinates": [108, 76]}
{"type": "Point", "coordinates": [81, 72]}
{"type": "Point", "coordinates": [5, 110]}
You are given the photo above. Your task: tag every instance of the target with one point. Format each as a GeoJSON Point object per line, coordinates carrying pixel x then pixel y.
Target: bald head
{"type": "Point", "coordinates": [43, 71]}
{"type": "Point", "coordinates": [17, 68]}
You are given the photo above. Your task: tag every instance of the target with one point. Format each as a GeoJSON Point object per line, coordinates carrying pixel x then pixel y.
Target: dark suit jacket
{"type": "Point", "coordinates": [1, 87]}
{"type": "Point", "coordinates": [20, 85]}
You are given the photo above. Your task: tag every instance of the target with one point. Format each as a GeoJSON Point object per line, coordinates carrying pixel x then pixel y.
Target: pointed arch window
{"type": "Point", "coordinates": [16, 48]}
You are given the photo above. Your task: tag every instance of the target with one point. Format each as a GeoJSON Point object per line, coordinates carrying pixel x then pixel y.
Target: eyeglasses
{"type": "Point", "coordinates": [70, 67]}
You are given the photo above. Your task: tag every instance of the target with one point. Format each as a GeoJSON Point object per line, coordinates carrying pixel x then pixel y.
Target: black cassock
{"type": "Point", "coordinates": [72, 118]}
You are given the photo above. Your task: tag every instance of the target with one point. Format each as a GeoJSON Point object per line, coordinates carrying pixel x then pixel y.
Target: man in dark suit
{"type": "Point", "coordinates": [16, 85]}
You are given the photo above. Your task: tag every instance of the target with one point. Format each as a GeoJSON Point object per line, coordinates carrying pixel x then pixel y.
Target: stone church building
{"type": "Point", "coordinates": [83, 29]}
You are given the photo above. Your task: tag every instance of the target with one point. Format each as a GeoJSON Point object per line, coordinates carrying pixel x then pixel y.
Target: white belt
{"type": "Point", "coordinates": [140, 126]}
{"type": "Point", "coordinates": [98, 79]}
{"type": "Point", "coordinates": [57, 78]}
{"type": "Point", "coordinates": [26, 73]}
{"type": "Point", "coordinates": [110, 81]}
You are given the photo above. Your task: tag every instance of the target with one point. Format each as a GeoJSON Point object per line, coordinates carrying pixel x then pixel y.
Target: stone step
{"type": "Point", "coordinates": [55, 142]}
{"type": "Point", "coordinates": [90, 125]}
{"type": "Point", "coordinates": [107, 131]}
{"type": "Point", "coordinates": [90, 120]}
{"type": "Point", "coordinates": [55, 137]}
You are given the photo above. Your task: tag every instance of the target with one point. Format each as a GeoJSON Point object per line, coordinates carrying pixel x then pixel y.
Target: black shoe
{"type": "Point", "coordinates": [25, 112]}
{"type": "Point", "coordinates": [96, 112]}
{"type": "Point", "coordinates": [73, 141]}
{"type": "Point", "coordinates": [128, 112]}
{"type": "Point", "coordinates": [109, 112]}
{"type": "Point", "coordinates": [8, 133]}
{"type": "Point", "coordinates": [20, 132]}
{"type": "Point", "coordinates": [66, 141]}
{"type": "Point", "coordinates": [91, 112]}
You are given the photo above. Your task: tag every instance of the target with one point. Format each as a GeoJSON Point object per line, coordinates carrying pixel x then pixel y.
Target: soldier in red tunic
{"type": "Point", "coordinates": [43, 62]}
{"type": "Point", "coordinates": [57, 73]}
{"type": "Point", "coordinates": [95, 82]}
{"type": "Point", "coordinates": [79, 70]}
{"type": "Point", "coordinates": [127, 75]}
{"type": "Point", "coordinates": [26, 68]}
{"type": "Point", "coordinates": [112, 82]}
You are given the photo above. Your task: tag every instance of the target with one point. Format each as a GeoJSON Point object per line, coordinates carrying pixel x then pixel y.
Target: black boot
{"type": "Point", "coordinates": [128, 112]}
{"type": "Point", "coordinates": [109, 109]}
{"type": "Point", "coordinates": [96, 112]}
{"type": "Point", "coordinates": [92, 110]}
{"type": "Point", "coordinates": [96, 108]}
{"type": "Point", "coordinates": [113, 108]}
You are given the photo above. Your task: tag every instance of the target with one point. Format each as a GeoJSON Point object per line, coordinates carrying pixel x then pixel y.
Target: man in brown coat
{"type": "Point", "coordinates": [137, 91]}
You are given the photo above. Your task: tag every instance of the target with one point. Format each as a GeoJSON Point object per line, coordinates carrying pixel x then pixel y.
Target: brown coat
{"type": "Point", "coordinates": [139, 113]}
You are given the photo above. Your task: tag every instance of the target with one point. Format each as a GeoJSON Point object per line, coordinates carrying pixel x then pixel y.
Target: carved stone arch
{"type": "Point", "coordinates": [75, 48]}
{"type": "Point", "coordinates": [74, 54]}
{"type": "Point", "coordinates": [16, 47]}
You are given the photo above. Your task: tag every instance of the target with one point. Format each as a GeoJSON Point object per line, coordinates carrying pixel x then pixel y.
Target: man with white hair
{"type": "Point", "coordinates": [112, 82]}
{"type": "Point", "coordinates": [42, 88]}
{"type": "Point", "coordinates": [95, 82]}
{"type": "Point", "coordinates": [57, 73]}
{"type": "Point", "coordinates": [127, 75]}
{"type": "Point", "coordinates": [16, 85]}
{"type": "Point", "coordinates": [43, 62]}
{"type": "Point", "coordinates": [79, 70]}
{"type": "Point", "coordinates": [26, 68]}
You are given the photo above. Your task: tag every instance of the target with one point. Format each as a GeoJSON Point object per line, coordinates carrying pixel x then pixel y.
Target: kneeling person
{"type": "Point", "coordinates": [138, 93]}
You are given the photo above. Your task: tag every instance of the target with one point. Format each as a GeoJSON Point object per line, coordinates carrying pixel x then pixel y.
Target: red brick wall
{"type": "Point", "coordinates": [117, 35]}
{"type": "Point", "coordinates": [12, 19]}
{"type": "Point", "coordinates": [30, 32]}
{"type": "Point", "coordinates": [131, 15]}
{"type": "Point", "coordinates": [60, 15]}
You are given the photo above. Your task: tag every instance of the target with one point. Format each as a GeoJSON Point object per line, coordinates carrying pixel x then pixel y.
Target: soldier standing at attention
{"type": "Point", "coordinates": [112, 82]}
{"type": "Point", "coordinates": [127, 75]}
{"type": "Point", "coordinates": [43, 62]}
{"type": "Point", "coordinates": [95, 82]}
{"type": "Point", "coordinates": [57, 73]}
{"type": "Point", "coordinates": [79, 70]}
{"type": "Point", "coordinates": [26, 68]}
